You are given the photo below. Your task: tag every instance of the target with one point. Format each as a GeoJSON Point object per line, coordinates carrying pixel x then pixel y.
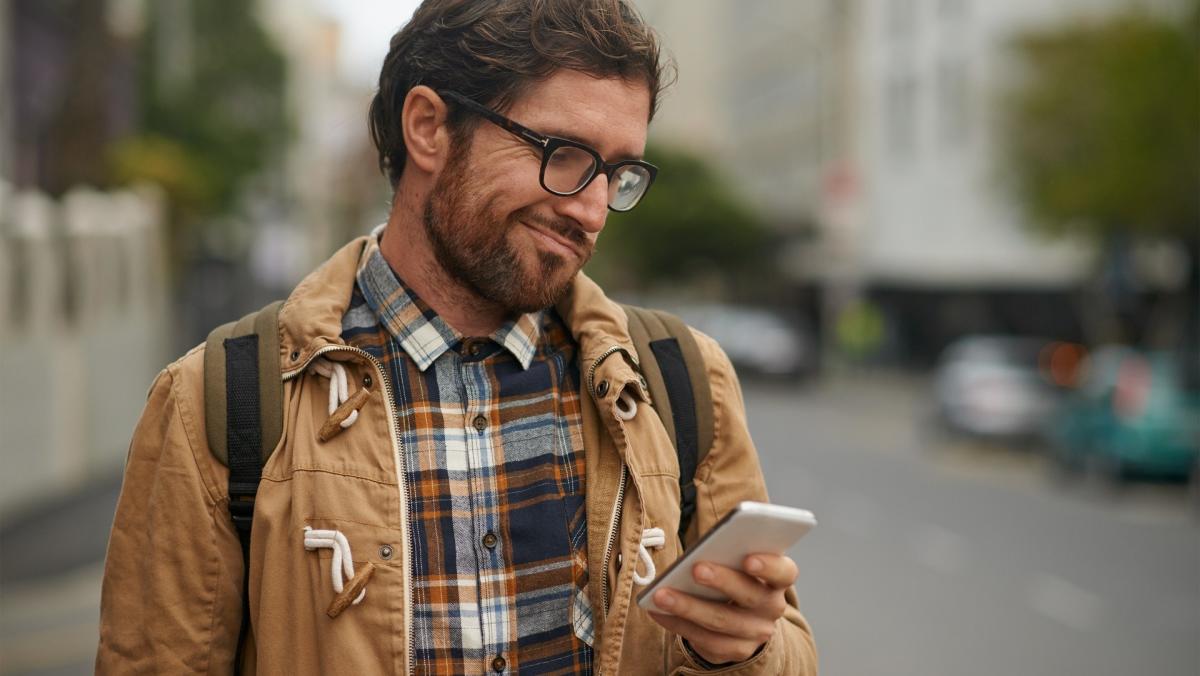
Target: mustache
{"type": "Point", "coordinates": [567, 228]}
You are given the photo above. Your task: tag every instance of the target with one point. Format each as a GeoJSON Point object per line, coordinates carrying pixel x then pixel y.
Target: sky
{"type": "Point", "coordinates": [368, 26]}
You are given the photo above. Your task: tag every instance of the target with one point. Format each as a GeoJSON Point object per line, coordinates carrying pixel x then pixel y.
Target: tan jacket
{"type": "Point", "coordinates": [171, 599]}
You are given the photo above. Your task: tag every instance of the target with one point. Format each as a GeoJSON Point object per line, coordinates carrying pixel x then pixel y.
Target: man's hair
{"type": "Point", "coordinates": [493, 50]}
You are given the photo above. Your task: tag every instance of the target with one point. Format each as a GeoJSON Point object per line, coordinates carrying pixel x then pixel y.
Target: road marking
{"type": "Point", "coordinates": [940, 549]}
{"type": "Point", "coordinates": [1064, 602]}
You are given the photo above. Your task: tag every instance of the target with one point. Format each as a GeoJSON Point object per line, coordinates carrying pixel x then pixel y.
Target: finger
{"type": "Point", "coordinates": [722, 618]}
{"type": "Point", "coordinates": [712, 646]}
{"type": "Point", "coordinates": [744, 590]}
{"type": "Point", "coordinates": [776, 570]}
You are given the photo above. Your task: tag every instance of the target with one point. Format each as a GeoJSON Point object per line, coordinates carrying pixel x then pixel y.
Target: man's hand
{"type": "Point", "coordinates": [730, 632]}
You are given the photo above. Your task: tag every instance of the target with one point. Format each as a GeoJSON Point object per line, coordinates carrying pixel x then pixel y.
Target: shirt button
{"type": "Point", "coordinates": [480, 423]}
{"type": "Point", "coordinates": [498, 664]}
{"type": "Point", "coordinates": [474, 349]}
{"type": "Point", "coordinates": [490, 540]}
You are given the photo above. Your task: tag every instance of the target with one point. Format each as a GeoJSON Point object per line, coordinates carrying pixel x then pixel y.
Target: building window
{"type": "Point", "coordinates": [902, 19]}
{"type": "Point", "coordinates": [954, 101]}
{"type": "Point", "coordinates": [901, 116]}
{"type": "Point", "coordinates": [953, 10]}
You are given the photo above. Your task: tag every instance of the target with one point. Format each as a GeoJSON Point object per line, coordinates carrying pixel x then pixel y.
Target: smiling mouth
{"type": "Point", "coordinates": [554, 242]}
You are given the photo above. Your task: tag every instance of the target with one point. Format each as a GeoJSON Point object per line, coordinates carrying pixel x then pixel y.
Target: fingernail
{"type": "Point", "coordinates": [704, 573]}
{"type": "Point", "coordinates": [664, 599]}
{"type": "Point", "coordinates": [754, 565]}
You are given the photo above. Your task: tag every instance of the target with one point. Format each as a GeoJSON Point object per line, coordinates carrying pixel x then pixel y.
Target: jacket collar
{"type": "Point", "coordinates": [312, 316]}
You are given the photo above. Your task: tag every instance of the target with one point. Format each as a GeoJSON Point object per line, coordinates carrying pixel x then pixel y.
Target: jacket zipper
{"type": "Point", "coordinates": [591, 374]}
{"type": "Point", "coordinates": [620, 500]}
{"type": "Point", "coordinates": [612, 536]}
{"type": "Point", "coordinates": [398, 447]}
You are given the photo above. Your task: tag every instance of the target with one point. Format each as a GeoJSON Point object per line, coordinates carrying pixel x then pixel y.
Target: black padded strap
{"type": "Point", "coordinates": [244, 439]}
{"type": "Point", "coordinates": [683, 412]}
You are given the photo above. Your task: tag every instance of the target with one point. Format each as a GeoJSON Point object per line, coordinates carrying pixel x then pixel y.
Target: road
{"type": "Point", "coordinates": [941, 557]}
{"type": "Point", "coordinates": [933, 557]}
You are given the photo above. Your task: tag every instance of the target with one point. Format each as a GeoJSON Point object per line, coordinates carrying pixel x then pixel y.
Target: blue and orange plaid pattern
{"type": "Point", "coordinates": [491, 434]}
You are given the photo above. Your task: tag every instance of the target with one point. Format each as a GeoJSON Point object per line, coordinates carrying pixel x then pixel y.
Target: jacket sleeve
{"type": "Point", "coordinates": [170, 601]}
{"type": "Point", "coordinates": [728, 475]}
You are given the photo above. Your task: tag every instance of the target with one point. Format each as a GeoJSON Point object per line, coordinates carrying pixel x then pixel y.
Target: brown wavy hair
{"type": "Point", "coordinates": [494, 50]}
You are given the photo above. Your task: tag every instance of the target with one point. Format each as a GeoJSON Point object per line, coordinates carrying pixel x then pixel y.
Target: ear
{"type": "Point", "coordinates": [423, 122]}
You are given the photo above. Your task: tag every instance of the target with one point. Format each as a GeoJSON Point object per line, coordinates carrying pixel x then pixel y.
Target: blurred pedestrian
{"type": "Point", "coordinates": [463, 482]}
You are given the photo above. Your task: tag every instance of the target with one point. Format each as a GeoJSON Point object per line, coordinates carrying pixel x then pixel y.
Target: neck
{"type": "Point", "coordinates": [406, 248]}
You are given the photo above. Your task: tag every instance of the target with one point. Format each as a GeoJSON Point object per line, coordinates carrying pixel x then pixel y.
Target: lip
{"type": "Point", "coordinates": [554, 241]}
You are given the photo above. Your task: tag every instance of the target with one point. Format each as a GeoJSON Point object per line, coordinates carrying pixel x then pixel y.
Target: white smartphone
{"type": "Point", "coordinates": [750, 528]}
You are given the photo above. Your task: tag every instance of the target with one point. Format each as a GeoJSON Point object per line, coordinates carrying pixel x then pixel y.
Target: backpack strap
{"type": "Point", "coordinates": [677, 378]}
{"type": "Point", "coordinates": [243, 413]}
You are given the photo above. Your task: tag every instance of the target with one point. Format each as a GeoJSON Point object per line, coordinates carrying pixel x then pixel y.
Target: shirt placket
{"type": "Point", "coordinates": [494, 597]}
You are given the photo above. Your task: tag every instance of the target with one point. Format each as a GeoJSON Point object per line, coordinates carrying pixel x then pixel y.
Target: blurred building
{"type": "Point", "coordinates": [333, 190]}
{"type": "Point", "coordinates": [68, 77]}
{"type": "Point", "coordinates": [865, 131]}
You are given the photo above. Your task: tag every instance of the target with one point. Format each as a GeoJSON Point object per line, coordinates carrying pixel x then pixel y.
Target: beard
{"type": "Point", "coordinates": [473, 243]}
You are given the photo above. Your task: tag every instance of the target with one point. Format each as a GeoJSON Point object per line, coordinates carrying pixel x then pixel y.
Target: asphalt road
{"type": "Point", "coordinates": [936, 556]}
{"type": "Point", "coordinates": [933, 556]}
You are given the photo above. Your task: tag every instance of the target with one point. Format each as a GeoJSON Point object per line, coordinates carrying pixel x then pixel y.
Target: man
{"type": "Point", "coordinates": [470, 474]}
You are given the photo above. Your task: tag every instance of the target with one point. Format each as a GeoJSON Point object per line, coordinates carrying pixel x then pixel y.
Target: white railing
{"type": "Point", "coordinates": [84, 328]}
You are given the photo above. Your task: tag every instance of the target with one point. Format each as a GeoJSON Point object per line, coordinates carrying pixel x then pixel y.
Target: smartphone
{"type": "Point", "coordinates": [750, 528]}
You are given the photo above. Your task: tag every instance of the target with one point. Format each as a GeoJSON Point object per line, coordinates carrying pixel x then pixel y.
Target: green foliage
{"type": "Point", "coordinates": [1103, 133]}
{"type": "Point", "coordinates": [219, 120]}
{"type": "Point", "coordinates": [690, 226]}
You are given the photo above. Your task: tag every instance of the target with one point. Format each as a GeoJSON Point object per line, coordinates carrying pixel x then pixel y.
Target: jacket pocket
{"type": "Point", "coordinates": [355, 608]}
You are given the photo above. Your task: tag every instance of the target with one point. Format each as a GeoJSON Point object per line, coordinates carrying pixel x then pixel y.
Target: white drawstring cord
{"type": "Point", "coordinates": [341, 562]}
{"type": "Point", "coordinates": [339, 388]}
{"type": "Point", "coordinates": [626, 409]}
{"type": "Point", "coordinates": [626, 406]}
{"type": "Point", "coordinates": [651, 537]}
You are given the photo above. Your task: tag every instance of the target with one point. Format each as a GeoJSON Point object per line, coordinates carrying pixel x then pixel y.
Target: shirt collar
{"type": "Point", "coordinates": [421, 332]}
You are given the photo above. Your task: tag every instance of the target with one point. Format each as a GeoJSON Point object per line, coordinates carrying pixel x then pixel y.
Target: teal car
{"type": "Point", "coordinates": [1134, 414]}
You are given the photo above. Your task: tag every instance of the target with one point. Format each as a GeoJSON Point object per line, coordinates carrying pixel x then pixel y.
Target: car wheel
{"type": "Point", "coordinates": [1194, 489]}
{"type": "Point", "coordinates": [1064, 466]}
{"type": "Point", "coordinates": [1105, 474]}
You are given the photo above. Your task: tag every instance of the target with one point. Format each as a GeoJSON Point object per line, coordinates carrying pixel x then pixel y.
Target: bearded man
{"type": "Point", "coordinates": [462, 483]}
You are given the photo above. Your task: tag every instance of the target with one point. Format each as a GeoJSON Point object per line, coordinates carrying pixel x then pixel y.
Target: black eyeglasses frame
{"type": "Point", "coordinates": [549, 144]}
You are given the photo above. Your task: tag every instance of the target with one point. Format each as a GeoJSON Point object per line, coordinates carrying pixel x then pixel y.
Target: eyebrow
{"type": "Point", "coordinates": [560, 133]}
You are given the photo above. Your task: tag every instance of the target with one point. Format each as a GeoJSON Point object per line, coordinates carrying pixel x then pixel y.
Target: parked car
{"type": "Point", "coordinates": [1136, 414]}
{"type": "Point", "coordinates": [1002, 387]}
{"type": "Point", "coordinates": [758, 341]}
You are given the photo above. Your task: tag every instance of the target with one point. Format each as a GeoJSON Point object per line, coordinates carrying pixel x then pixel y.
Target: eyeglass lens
{"type": "Point", "coordinates": [568, 168]}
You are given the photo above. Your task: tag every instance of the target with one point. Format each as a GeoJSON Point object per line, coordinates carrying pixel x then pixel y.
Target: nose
{"type": "Point", "coordinates": [588, 207]}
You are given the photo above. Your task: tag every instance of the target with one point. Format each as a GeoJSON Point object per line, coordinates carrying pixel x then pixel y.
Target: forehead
{"type": "Point", "coordinates": [609, 114]}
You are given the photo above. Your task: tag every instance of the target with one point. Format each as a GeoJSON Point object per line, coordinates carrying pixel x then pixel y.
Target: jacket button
{"type": "Point", "coordinates": [480, 423]}
{"type": "Point", "coordinates": [498, 664]}
{"type": "Point", "coordinates": [619, 560]}
{"type": "Point", "coordinates": [602, 388]}
{"type": "Point", "coordinates": [385, 552]}
{"type": "Point", "coordinates": [490, 540]}
{"type": "Point", "coordinates": [367, 380]}
{"type": "Point", "coordinates": [295, 355]}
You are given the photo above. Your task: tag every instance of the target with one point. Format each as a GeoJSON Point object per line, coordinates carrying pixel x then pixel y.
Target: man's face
{"type": "Point", "coordinates": [495, 229]}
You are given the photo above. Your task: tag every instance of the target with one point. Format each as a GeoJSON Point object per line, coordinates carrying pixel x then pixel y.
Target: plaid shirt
{"type": "Point", "coordinates": [493, 456]}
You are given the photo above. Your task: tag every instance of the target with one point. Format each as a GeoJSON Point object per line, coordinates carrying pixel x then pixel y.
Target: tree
{"type": "Point", "coordinates": [212, 108]}
{"type": "Point", "coordinates": [1102, 138]}
{"type": "Point", "coordinates": [1104, 133]}
{"type": "Point", "coordinates": [691, 226]}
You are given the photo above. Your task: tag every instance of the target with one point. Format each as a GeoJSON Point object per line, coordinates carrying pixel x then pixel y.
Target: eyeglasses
{"type": "Point", "coordinates": [568, 166]}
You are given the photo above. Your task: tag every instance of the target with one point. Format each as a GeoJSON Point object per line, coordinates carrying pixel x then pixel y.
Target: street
{"type": "Point", "coordinates": [933, 556]}
{"type": "Point", "coordinates": [942, 557]}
